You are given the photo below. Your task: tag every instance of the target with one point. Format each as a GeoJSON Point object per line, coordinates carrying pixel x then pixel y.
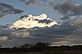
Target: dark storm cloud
{"type": "Point", "coordinates": [77, 10]}
{"type": "Point", "coordinates": [60, 31]}
{"type": "Point", "coordinates": [6, 9]}
{"type": "Point", "coordinates": [63, 8]}
{"type": "Point", "coordinates": [69, 9]}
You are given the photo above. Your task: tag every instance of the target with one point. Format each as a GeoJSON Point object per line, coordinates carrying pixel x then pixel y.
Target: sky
{"type": "Point", "coordinates": [7, 19]}
{"type": "Point", "coordinates": [34, 10]}
{"type": "Point", "coordinates": [69, 32]}
{"type": "Point", "coordinates": [10, 18]}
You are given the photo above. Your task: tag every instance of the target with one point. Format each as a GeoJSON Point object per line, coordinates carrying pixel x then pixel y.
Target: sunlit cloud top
{"type": "Point", "coordinates": [30, 21]}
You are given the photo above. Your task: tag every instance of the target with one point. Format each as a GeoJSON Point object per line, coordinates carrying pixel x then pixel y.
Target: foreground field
{"type": "Point", "coordinates": [43, 50]}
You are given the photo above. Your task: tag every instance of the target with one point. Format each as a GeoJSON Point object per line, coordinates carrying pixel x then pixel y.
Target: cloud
{"type": "Point", "coordinates": [63, 8]}
{"type": "Point", "coordinates": [77, 10]}
{"type": "Point", "coordinates": [68, 33]}
{"type": "Point", "coordinates": [69, 8]}
{"type": "Point", "coordinates": [6, 9]}
{"type": "Point", "coordinates": [77, 21]}
{"type": "Point", "coordinates": [30, 21]}
{"type": "Point", "coordinates": [5, 31]}
{"type": "Point", "coordinates": [41, 3]}
{"type": "Point", "coordinates": [31, 2]}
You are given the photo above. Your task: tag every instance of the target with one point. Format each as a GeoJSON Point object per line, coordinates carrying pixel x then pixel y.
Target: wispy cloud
{"type": "Point", "coordinates": [6, 9]}
{"type": "Point", "coordinates": [39, 3]}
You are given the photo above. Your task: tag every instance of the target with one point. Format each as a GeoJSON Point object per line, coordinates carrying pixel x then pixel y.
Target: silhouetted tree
{"type": "Point", "coordinates": [39, 44]}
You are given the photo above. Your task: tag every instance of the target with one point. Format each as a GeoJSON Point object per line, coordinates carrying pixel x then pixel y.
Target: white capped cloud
{"type": "Point", "coordinates": [34, 21]}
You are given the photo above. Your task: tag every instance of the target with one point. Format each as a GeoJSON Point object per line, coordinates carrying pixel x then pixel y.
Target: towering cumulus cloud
{"type": "Point", "coordinates": [30, 21]}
